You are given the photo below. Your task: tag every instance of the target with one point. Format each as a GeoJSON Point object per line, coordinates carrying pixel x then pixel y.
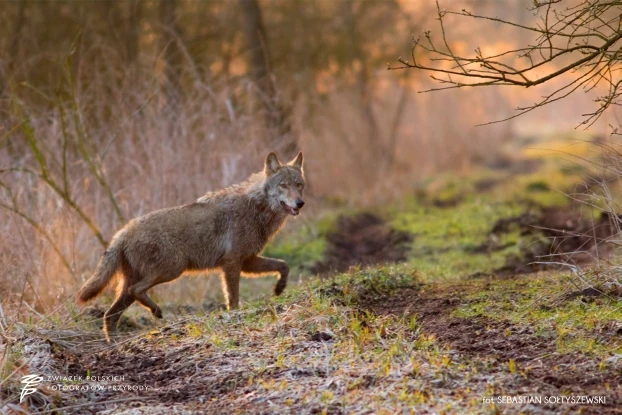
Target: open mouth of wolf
{"type": "Point", "coordinates": [292, 211]}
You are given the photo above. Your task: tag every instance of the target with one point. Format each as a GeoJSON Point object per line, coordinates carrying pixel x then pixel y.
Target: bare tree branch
{"type": "Point", "coordinates": [578, 41]}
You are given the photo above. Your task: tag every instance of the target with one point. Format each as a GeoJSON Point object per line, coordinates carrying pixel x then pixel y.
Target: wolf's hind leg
{"type": "Point", "coordinates": [144, 300]}
{"type": "Point", "coordinates": [121, 303]}
{"type": "Point", "coordinates": [139, 292]}
{"type": "Point", "coordinates": [230, 279]}
{"type": "Point", "coordinates": [262, 265]}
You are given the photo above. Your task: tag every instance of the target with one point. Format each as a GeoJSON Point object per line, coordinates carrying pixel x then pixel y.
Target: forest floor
{"type": "Point", "coordinates": [439, 304]}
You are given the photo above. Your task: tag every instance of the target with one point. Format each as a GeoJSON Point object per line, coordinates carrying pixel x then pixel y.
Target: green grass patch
{"type": "Point", "coordinates": [544, 303]}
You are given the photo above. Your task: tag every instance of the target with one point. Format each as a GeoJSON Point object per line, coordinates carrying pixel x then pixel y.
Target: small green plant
{"type": "Point", "coordinates": [537, 186]}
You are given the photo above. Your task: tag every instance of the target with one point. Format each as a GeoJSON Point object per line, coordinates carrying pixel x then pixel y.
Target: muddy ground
{"type": "Point", "coordinates": [558, 235]}
{"type": "Point", "coordinates": [540, 369]}
{"type": "Point", "coordinates": [364, 239]}
{"type": "Point", "coordinates": [189, 377]}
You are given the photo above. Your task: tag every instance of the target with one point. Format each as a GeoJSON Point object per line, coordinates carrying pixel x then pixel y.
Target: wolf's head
{"type": "Point", "coordinates": [284, 184]}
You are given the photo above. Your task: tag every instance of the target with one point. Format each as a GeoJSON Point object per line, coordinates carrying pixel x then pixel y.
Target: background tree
{"type": "Point", "coordinates": [259, 60]}
{"type": "Point", "coordinates": [171, 52]}
{"type": "Point", "coordinates": [135, 12]}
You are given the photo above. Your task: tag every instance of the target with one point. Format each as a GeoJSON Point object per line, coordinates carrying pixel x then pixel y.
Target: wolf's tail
{"type": "Point", "coordinates": [108, 266]}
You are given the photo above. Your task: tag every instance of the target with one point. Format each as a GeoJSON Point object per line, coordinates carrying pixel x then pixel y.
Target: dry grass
{"type": "Point", "coordinates": [79, 162]}
{"type": "Point", "coordinates": [372, 341]}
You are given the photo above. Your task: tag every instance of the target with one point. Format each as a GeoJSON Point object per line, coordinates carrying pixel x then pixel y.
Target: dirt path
{"type": "Point", "coordinates": [364, 239]}
{"type": "Point", "coordinates": [229, 363]}
{"type": "Point", "coordinates": [189, 375]}
{"type": "Point", "coordinates": [539, 368]}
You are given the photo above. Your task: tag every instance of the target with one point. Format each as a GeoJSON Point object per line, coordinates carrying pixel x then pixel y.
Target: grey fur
{"type": "Point", "coordinates": [222, 231]}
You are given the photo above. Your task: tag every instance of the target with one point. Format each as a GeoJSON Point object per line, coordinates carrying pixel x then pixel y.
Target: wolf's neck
{"type": "Point", "coordinates": [268, 214]}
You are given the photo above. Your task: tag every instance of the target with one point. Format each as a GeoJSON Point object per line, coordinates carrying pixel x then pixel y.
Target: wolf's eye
{"type": "Point", "coordinates": [299, 185]}
{"type": "Point", "coordinates": [283, 186]}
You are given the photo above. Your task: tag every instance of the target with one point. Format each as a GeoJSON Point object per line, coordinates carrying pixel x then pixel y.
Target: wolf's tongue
{"type": "Point", "coordinates": [289, 209]}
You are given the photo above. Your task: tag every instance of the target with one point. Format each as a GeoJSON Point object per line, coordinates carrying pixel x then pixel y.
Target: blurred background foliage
{"type": "Point", "coordinates": [313, 73]}
{"type": "Point", "coordinates": [112, 109]}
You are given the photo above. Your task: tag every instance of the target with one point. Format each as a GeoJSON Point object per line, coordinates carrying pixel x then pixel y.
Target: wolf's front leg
{"type": "Point", "coordinates": [261, 265]}
{"type": "Point", "coordinates": [231, 285]}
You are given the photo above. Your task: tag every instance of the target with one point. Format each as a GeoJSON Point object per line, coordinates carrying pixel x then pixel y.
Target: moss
{"type": "Point", "coordinates": [446, 240]}
{"type": "Point", "coordinates": [302, 248]}
{"type": "Point", "coordinates": [298, 254]}
{"type": "Point", "coordinates": [537, 186]}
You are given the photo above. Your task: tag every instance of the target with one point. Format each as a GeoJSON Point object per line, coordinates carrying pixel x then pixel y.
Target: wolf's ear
{"type": "Point", "coordinates": [272, 164]}
{"type": "Point", "coordinates": [297, 162]}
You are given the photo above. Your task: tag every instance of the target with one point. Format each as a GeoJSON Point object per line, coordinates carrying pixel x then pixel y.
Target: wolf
{"type": "Point", "coordinates": [223, 231]}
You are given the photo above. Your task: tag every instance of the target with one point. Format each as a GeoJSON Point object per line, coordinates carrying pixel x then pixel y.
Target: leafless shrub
{"type": "Point", "coordinates": [575, 38]}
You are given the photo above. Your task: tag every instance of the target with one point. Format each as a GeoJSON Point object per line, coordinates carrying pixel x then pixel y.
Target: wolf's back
{"type": "Point", "coordinates": [108, 266]}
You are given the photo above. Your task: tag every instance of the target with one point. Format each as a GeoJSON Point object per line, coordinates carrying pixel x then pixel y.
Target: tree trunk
{"type": "Point", "coordinates": [13, 47]}
{"type": "Point", "coordinates": [133, 30]}
{"type": "Point", "coordinates": [6, 76]}
{"type": "Point", "coordinates": [171, 53]}
{"type": "Point", "coordinates": [276, 117]}
{"type": "Point", "coordinates": [17, 34]}
{"type": "Point", "coordinates": [372, 152]}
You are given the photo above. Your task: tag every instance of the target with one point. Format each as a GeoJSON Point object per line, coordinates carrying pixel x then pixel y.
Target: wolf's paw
{"type": "Point", "coordinates": [280, 287]}
{"type": "Point", "coordinates": [157, 313]}
{"type": "Point", "coordinates": [111, 337]}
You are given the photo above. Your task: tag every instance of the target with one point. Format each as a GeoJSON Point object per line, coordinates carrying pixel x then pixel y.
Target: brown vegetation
{"type": "Point", "coordinates": [107, 119]}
